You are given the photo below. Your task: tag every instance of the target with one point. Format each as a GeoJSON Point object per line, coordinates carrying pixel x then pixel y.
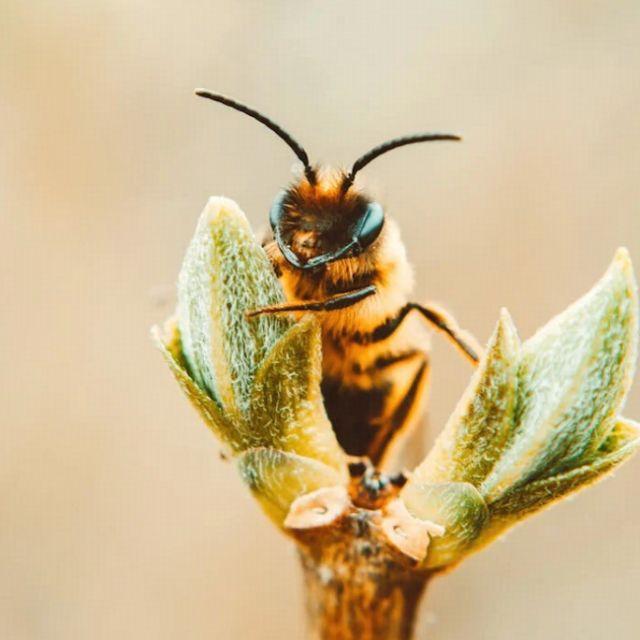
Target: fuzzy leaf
{"type": "Point", "coordinates": [225, 273]}
{"type": "Point", "coordinates": [256, 381]}
{"type": "Point", "coordinates": [457, 506]}
{"type": "Point", "coordinates": [287, 411]}
{"type": "Point", "coordinates": [277, 478]}
{"type": "Point", "coordinates": [573, 376]}
{"type": "Point", "coordinates": [624, 433]}
{"type": "Point", "coordinates": [477, 431]}
{"type": "Point", "coordinates": [169, 345]}
{"type": "Point", "coordinates": [519, 502]}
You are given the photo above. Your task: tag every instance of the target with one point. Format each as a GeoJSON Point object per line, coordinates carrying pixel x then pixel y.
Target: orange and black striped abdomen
{"type": "Point", "coordinates": [366, 419]}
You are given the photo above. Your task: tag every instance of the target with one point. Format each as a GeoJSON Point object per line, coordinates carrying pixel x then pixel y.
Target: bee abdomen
{"type": "Point", "coordinates": [383, 361]}
{"type": "Point", "coordinates": [354, 412]}
{"type": "Point", "coordinates": [367, 419]}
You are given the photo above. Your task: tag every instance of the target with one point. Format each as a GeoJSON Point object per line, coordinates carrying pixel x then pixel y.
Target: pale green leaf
{"type": "Point", "coordinates": [277, 478]}
{"type": "Point", "coordinates": [226, 273]}
{"type": "Point", "coordinates": [519, 502]}
{"type": "Point", "coordinates": [624, 433]}
{"type": "Point", "coordinates": [476, 432]}
{"type": "Point", "coordinates": [457, 506]}
{"type": "Point", "coordinates": [573, 376]}
{"type": "Point", "coordinates": [287, 411]}
{"type": "Point", "coordinates": [169, 345]}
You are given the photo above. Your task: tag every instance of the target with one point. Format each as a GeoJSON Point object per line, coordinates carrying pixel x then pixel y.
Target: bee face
{"type": "Point", "coordinates": [318, 223]}
{"type": "Point", "coordinates": [323, 219]}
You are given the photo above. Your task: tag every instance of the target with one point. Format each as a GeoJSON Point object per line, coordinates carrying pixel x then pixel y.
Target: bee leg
{"type": "Point", "coordinates": [341, 301]}
{"type": "Point", "coordinates": [441, 320]}
{"type": "Point", "coordinates": [445, 323]}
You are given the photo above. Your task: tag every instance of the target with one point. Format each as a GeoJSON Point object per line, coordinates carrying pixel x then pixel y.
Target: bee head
{"type": "Point", "coordinates": [323, 218]}
{"type": "Point", "coordinates": [318, 221]}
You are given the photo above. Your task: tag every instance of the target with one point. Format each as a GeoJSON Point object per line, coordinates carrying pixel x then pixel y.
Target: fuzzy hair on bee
{"type": "Point", "coordinates": [338, 254]}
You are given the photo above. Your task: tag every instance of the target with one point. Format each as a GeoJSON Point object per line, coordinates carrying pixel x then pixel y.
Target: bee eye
{"type": "Point", "coordinates": [370, 225]}
{"type": "Point", "coordinates": [275, 213]}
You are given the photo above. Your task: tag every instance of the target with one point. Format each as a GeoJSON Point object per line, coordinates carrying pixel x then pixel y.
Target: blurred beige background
{"type": "Point", "coordinates": [117, 518]}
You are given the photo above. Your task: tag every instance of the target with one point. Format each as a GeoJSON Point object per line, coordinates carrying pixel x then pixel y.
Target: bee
{"type": "Point", "coordinates": [337, 253]}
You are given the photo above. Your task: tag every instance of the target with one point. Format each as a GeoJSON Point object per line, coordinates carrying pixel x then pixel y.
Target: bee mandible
{"type": "Point", "coordinates": [338, 254]}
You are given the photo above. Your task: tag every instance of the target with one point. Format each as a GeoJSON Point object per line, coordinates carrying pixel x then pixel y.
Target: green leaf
{"type": "Point", "coordinates": [519, 502]}
{"type": "Point", "coordinates": [477, 431]}
{"type": "Point", "coordinates": [277, 478]}
{"type": "Point", "coordinates": [287, 411]}
{"type": "Point", "coordinates": [624, 433]}
{"type": "Point", "coordinates": [256, 382]}
{"type": "Point", "coordinates": [169, 345]}
{"type": "Point", "coordinates": [457, 506]}
{"type": "Point", "coordinates": [225, 273]}
{"type": "Point", "coordinates": [573, 376]}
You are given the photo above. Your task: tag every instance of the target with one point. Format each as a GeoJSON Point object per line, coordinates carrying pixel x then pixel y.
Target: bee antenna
{"type": "Point", "coordinates": [270, 124]}
{"type": "Point", "coordinates": [365, 159]}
